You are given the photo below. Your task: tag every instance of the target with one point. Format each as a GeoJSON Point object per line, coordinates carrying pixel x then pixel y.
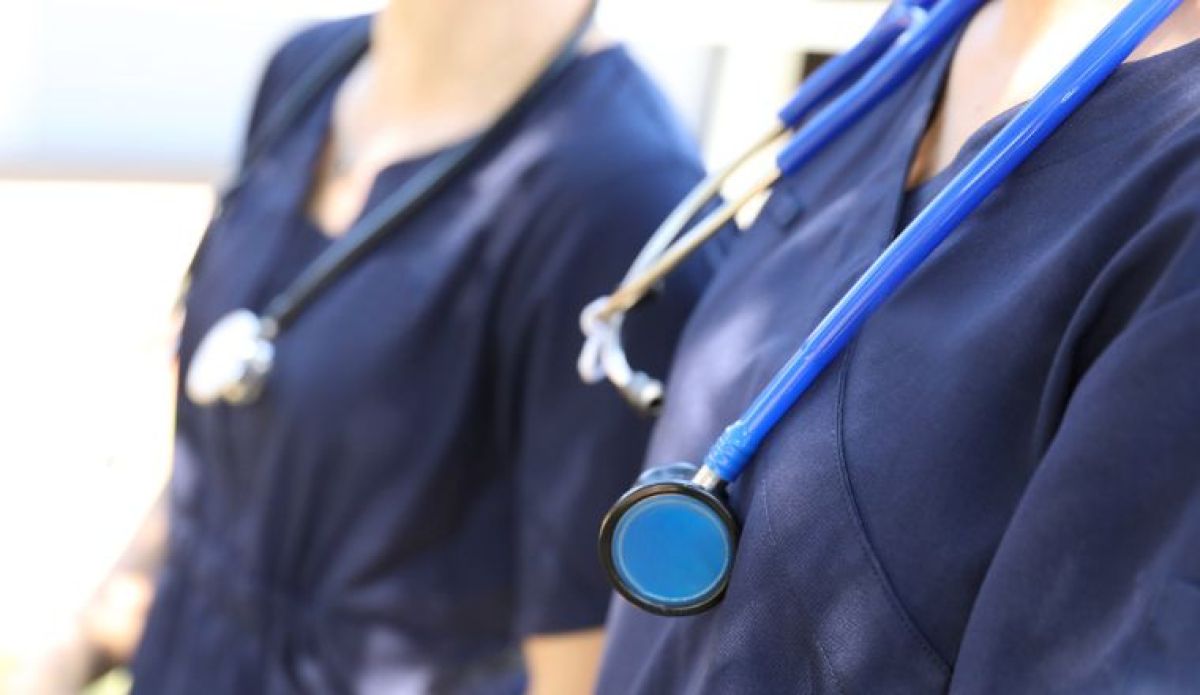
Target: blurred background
{"type": "Point", "coordinates": [118, 118]}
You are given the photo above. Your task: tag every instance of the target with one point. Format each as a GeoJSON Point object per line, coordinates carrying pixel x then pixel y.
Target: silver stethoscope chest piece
{"type": "Point", "coordinates": [232, 361]}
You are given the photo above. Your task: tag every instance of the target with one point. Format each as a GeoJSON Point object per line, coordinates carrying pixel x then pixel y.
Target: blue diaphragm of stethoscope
{"type": "Point", "coordinates": [669, 543]}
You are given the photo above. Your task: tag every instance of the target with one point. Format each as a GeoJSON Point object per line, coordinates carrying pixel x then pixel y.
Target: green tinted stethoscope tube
{"type": "Point", "coordinates": [669, 542]}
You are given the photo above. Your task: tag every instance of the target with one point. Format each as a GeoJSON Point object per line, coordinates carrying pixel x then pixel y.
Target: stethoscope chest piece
{"type": "Point", "coordinates": [668, 544]}
{"type": "Point", "coordinates": [232, 361]}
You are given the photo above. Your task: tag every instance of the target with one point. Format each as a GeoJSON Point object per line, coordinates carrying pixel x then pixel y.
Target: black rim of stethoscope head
{"type": "Point", "coordinates": [683, 493]}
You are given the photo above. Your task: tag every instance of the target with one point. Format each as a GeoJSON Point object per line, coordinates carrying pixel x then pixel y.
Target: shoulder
{"type": "Point", "coordinates": [1166, 250]}
{"type": "Point", "coordinates": [296, 54]}
{"type": "Point", "coordinates": [1153, 257]}
{"type": "Point", "coordinates": [614, 130]}
{"type": "Point", "coordinates": [303, 47]}
{"type": "Point", "coordinates": [1167, 182]}
{"type": "Point", "coordinates": [1160, 144]}
{"type": "Point", "coordinates": [613, 160]}
{"type": "Point", "coordinates": [609, 160]}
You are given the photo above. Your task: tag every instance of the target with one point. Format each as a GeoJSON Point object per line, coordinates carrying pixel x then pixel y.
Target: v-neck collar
{"type": "Point", "coordinates": [315, 130]}
{"type": "Point", "coordinates": [319, 132]}
{"type": "Point", "coordinates": [1173, 64]}
{"type": "Point", "coordinates": [873, 155]}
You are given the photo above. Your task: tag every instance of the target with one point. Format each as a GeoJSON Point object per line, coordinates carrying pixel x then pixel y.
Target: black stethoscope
{"type": "Point", "coordinates": [235, 357]}
{"type": "Point", "coordinates": [669, 543]}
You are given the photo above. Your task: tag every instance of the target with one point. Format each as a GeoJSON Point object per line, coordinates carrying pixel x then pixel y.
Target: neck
{"type": "Point", "coordinates": [1027, 42]}
{"type": "Point", "coordinates": [439, 71]}
{"type": "Point", "coordinates": [1023, 29]}
{"type": "Point", "coordinates": [440, 56]}
{"type": "Point", "coordinates": [1012, 48]}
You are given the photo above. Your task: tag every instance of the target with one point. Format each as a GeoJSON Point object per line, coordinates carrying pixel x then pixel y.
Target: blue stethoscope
{"type": "Point", "coordinates": [669, 543]}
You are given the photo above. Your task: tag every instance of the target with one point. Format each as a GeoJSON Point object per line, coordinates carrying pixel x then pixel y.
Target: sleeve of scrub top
{"type": "Point", "coordinates": [1095, 586]}
{"type": "Point", "coordinates": [578, 447]}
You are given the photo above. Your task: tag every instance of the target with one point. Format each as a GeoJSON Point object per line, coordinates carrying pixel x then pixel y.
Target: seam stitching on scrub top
{"type": "Point", "coordinates": [837, 681]}
{"type": "Point", "coordinates": [1128, 664]}
{"type": "Point", "coordinates": [860, 524]}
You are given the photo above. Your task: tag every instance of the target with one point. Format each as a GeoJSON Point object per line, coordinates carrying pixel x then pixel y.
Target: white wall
{"type": "Point", "coordinates": [131, 88]}
{"type": "Point", "coordinates": [158, 89]}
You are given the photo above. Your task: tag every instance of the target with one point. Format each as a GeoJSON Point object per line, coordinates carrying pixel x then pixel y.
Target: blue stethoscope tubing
{"type": "Point", "coordinates": [1012, 145]}
{"type": "Point", "coordinates": [841, 71]}
{"type": "Point", "coordinates": [669, 543]}
{"type": "Point", "coordinates": [888, 55]}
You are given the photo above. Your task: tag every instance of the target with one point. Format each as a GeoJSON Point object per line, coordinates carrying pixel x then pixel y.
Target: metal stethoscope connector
{"type": "Point", "coordinates": [603, 354]}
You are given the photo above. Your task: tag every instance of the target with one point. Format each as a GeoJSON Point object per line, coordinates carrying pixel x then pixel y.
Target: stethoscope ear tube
{"type": "Point", "coordinates": [880, 54]}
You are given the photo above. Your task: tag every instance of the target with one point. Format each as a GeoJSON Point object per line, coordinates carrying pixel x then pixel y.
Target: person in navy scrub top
{"type": "Point", "coordinates": [996, 488]}
{"type": "Point", "coordinates": [411, 505]}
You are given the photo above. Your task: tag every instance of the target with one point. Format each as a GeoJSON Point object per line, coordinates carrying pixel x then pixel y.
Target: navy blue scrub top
{"type": "Point", "coordinates": [420, 485]}
{"type": "Point", "coordinates": [996, 488]}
